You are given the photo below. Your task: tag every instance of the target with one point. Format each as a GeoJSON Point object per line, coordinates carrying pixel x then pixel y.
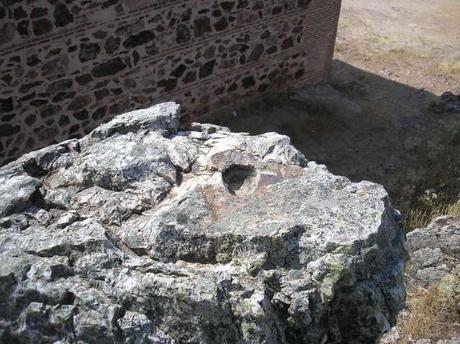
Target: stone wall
{"type": "Point", "coordinates": [66, 66]}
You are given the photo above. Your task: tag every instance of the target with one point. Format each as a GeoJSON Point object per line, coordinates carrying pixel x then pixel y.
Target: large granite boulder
{"type": "Point", "coordinates": [140, 233]}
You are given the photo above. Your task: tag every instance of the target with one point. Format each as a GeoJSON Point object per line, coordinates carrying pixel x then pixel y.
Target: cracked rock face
{"type": "Point", "coordinates": [434, 252]}
{"type": "Point", "coordinates": [140, 233]}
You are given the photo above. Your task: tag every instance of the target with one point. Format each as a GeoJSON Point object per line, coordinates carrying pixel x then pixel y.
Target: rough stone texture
{"type": "Point", "coordinates": [140, 233]}
{"type": "Point", "coordinates": [434, 252]}
{"type": "Point", "coordinates": [120, 55]}
{"type": "Point", "coordinates": [449, 102]}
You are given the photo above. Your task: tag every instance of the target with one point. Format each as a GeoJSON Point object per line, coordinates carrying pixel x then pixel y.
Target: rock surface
{"type": "Point", "coordinates": [139, 233]}
{"type": "Point", "coordinates": [434, 252]}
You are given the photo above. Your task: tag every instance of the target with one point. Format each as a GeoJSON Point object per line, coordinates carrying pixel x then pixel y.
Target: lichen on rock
{"type": "Point", "coordinates": [142, 233]}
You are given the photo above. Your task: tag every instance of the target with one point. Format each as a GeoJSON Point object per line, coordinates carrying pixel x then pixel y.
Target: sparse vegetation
{"type": "Point", "coordinates": [421, 217]}
{"type": "Point", "coordinates": [454, 209]}
{"type": "Point", "coordinates": [451, 68]}
{"type": "Point", "coordinates": [439, 192]}
{"type": "Point", "coordinates": [432, 313]}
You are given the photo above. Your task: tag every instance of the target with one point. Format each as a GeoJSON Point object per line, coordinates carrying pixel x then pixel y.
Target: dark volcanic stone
{"type": "Point", "coordinates": [49, 111]}
{"type": "Point", "coordinates": [82, 115]}
{"type": "Point", "coordinates": [30, 119]}
{"type": "Point", "coordinates": [63, 121]}
{"type": "Point", "coordinates": [6, 105]}
{"type": "Point", "coordinates": [73, 129]}
{"type": "Point", "coordinates": [189, 77]}
{"type": "Point", "coordinates": [8, 129]}
{"type": "Point", "coordinates": [84, 79]}
{"type": "Point", "coordinates": [210, 52]}
{"type": "Point", "coordinates": [79, 102]}
{"type": "Point", "coordinates": [136, 57]}
{"type": "Point", "coordinates": [99, 94]}
{"type": "Point", "coordinates": [62, 16]}
{"type": "Point", "coordinates": [207, 68]}
{"type": "Point", "coordinates": [15, 59]}
{"type": "Point", "coordinates": [256, 53]}
{"type": "Point", "coordinates": [39, 102]}
{"type": "Point", "coordinates": [248, 82]}
{"type": "Point", "coordinates": [168, 84]}
{"type": "Point", "coordinates": [25, 88]}
{"type": "Point", "coordinates": [33, 60]}
{"type": "Point", "coordinates": [42, 26]}
{"type": "Point", "coordinates": [119, 107]}
{"type": "Point", "coordinates": [201, 26]}
{"type": "Point", "coordinates": [179, 71]}
{"type": "Point", "coordinates": [265, 35]}
{"type": "Point", "coordinates": [287, 43]}
{"type": "Point", "coordinates": [27, 97]}
{"type": "Point", "coordinates": [272, 50]}
{"type": "Point", "coordinates": [232, 87]}
{"type": "Point", "coordinates": [38, 12]}
{"type": "Point", "coordinates": [58, 65]}
{"type": "Point", "coordinates": [99, 113]}
{"type": "Point", "coordinates": [299, 73]}
{"type": "Point", "coordinates": [63, 95]}
{"type": "Point", "coordinates": [303, 3]}
{"type": "Point", "coordinates": [262, 88]}
{"type": "Point", "coordinates": [221, 24]}
{"type": "Point", "coordinates": [59, 85]}
{"type": "Point", "coordinates": [23, 27]}
{"type": "Point", "coordinates": [227, 6]}
{"type": "Point", "coordinates": [100, 34]}
{"type": "Point", "coordinates": [110, 67]}
{"type": "Point", "coordinates": [117, 91]}
{"type": "Point", "coordinates": [7, 78]}
{"type": "Point", "coordinates": [109, 3]}
{"type": "Point", "coordinates": [19, 13]}
{"type": "Point", "coordinates": [7, 118]}
{"type": "Point", "coordinates": [277, 10]}
{"type": "Point", "coordinates": [183, 33]}
{"type": "Point", "coordinates": [7, 31]}
{"type": "Point", "coordinates": [112, 44]}
{"type": "Point", "coordinates": [88, 51]}
{"type": "Point", "coordinates": [139, 39]}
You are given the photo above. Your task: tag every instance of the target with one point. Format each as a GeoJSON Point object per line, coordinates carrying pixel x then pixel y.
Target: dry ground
{"type": "Point", "coordinates": [414, 42]}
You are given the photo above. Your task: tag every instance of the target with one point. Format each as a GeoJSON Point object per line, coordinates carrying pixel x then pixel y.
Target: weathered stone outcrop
{"type": "Point", "coordinates": [138, 233]}
{"type": "Point", "coordinates": [434, 264]}
{"type": "Point", "coordinates": [434, 252]}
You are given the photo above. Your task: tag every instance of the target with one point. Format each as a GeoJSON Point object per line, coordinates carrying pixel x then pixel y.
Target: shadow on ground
{"type": "Point", "coordinates": [366, 127]}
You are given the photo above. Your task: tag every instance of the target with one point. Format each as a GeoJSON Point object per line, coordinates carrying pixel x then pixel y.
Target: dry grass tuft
{"type": "Point", "coordinates": [454, 209]}
{"type": "Point", "coordinates": [421, 217]}
{"type": "Point", "coordinates": [432, 313]}
{"type": "Point", "coordinates": [450, 68]}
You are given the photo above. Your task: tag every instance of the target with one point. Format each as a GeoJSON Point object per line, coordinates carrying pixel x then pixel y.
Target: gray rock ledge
{"type": "Point", "coordinates": [434, 252]}
{"type": "Point", "coordinates": [140, 233]}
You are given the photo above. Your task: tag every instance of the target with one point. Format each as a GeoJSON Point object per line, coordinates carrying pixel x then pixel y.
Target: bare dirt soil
{"type": "Point", "coordinates": [378, 118]}
{"type": "Point", "coordinates": [415, 42]}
